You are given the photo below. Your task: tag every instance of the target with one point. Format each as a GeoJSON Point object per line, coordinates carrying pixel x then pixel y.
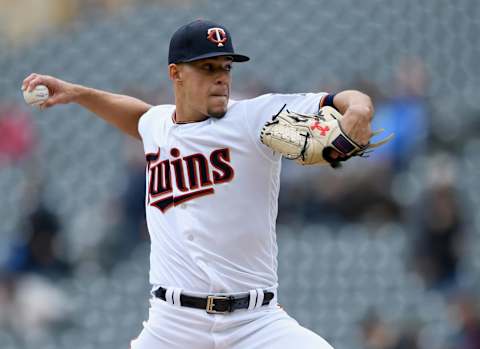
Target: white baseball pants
{"type": "Point", "coordinates": [269, 327]}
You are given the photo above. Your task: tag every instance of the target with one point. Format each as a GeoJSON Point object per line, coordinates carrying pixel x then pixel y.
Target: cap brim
{"type": "Point", "coordinates": [235, 56]}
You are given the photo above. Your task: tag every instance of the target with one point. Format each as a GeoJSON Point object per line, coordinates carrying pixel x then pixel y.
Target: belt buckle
{"type": "Point", "coordinates": [211, 304]}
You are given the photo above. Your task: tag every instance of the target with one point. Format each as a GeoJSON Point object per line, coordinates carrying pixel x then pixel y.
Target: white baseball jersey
{"type": "Point", "coordinates": [211, 196]}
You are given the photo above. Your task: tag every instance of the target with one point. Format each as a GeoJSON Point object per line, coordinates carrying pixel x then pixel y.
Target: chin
{"type": "Point", "coordinates": [217, 113]}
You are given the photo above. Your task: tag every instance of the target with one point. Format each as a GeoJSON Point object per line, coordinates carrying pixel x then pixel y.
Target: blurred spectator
{"type": "Point", "coordinates": [465, 313]}
{"type": "Point", "coordinates": [33, 302]}
{"type": "Point", "coordinates": [17, 134]}
{"type": "Point", "coordinates": [133, 196]}
{"type": "Point", "coordinates": [408, 338]}
{"type": "Point", "coordinates": [356, 192]}
{"type": "Point", "coordinates": [378, 335]}
{"type": "Point", "coordinates": [38, 251]}
{"type": "Point", "coordinates": [28, 298]}
{"type": "Point", "coordinates": [127, 226]}
{"type": "Point", "coordinates": [438, 248]}
{"type": "Point", "coordinates": [375, 332]}
{"type": "Point", "coordinates": [405, 113]}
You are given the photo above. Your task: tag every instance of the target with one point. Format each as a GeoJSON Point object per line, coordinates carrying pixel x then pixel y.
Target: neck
{"type": "Point", "coordinates": [184, 113]}
{"type": "Point", "coordinates": [181, 115]}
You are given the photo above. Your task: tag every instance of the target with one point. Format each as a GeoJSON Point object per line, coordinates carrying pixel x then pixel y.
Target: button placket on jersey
{"type": "Point", "coordinates": [181, 210]}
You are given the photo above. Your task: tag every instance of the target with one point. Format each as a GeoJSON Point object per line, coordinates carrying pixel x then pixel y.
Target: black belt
{"type": "Point", "coordinates": [215, 304]}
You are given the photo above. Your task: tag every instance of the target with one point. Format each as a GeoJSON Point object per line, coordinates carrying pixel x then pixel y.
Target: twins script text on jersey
{"type": "Point", "coordinates": [195, 176]}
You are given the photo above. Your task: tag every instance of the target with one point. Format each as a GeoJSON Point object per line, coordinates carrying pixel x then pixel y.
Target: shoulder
{"type": "Point", "coordinates": [273, 99]}
{"type": "Point", "coordinates": [254, 100]}
{"type": "Point", "coordinates": [256, 108]}
{"type": "Point", "coordinates": [153, 117]}
{"type": "Point", "coordinates": [160, 110]}
{"type": "Point", "coordinates": [244, 105]}
{"type": "Point", "coordinates": [157, 113]}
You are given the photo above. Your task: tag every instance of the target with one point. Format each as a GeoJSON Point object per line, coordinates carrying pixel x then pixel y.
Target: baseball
{"type": "Point", "coordinates": [37, 96]}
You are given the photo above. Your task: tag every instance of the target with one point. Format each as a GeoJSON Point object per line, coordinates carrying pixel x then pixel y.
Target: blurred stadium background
{"type": "Point", "coordinates": [381, 254]}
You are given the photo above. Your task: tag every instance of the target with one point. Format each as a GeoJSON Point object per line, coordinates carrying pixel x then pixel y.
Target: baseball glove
{"type": "Point", "coordinates": [309, 139]}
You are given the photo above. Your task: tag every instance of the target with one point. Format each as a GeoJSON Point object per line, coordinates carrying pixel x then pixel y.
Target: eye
{"type": "Point", "coordinates": [228, 67]}
{"type": "Point", "coordinates": [208, 67]}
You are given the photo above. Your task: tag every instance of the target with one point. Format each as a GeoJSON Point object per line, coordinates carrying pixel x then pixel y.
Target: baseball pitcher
{"type": "Point", "coordinates": [212, 184]}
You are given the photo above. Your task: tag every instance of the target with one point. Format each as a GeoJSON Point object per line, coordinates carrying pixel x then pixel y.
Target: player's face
{"type": "Point", "coordinates": [206, 85]}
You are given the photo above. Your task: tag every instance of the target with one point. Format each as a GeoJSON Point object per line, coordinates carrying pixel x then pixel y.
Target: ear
{"type": "Point", "coordinates": [175, 72]}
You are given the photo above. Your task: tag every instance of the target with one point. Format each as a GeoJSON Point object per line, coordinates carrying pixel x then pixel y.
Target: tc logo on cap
{"type": "Point", "coordinates": [217, 36]}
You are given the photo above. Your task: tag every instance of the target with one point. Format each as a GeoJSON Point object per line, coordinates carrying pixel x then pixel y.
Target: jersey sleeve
{"type": "Point", "coordinates": [261, 109]}
{"type": "Point", "coordinates": [149, 126]}
{"type": "Point", "coordinates": [144, 123]}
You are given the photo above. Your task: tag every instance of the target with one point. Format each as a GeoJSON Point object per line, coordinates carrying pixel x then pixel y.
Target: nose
{"type": "Point", "coordinates": [222, 77]}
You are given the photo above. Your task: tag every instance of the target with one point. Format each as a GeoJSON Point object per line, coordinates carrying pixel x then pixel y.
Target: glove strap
{"type": "Point", "coordinates": [343, 144]}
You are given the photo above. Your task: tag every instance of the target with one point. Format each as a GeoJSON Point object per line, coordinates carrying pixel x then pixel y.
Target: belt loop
{"type": "Point", "coordinates": [169, 295]}
{"type": "Point", "coordinates": [259, 298]}
{"type": "Point", "coordinates": [253, 299]}
{"type": "Point", "coordinates": [176, 296]}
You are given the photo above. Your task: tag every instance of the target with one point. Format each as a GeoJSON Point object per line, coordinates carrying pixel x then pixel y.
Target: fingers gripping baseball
{"type": "Point", "coordinates": [60, 92]}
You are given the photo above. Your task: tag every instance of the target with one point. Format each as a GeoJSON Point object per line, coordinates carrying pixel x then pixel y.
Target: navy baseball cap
{"type": "Point", "coordinates": [201, 39]}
